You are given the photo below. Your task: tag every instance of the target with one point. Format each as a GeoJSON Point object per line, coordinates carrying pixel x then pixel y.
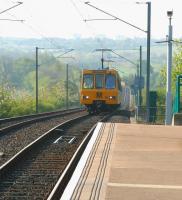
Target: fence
{"type": "Point", "coordinates": [157, 114]}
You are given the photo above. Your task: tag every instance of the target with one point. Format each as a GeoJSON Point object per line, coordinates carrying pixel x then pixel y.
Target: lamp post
{"type": "Point", "coordinates": [169, 66]}
{"type": "Point", "coordinates": [140, 75]}
{"type": "Point", "coordinates": [148, 60]}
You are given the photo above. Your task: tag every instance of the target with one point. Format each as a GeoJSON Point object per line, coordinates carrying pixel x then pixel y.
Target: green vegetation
{"type": "Point", "coordinates": [17, 69]}
{"type": "Point", "coordinates": [17, 84]}
{"type": "Point", "coordinates": [176, 70]}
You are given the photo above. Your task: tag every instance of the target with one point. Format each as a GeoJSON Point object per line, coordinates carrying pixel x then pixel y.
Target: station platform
{"type": "Point", "coordinates": [129, 162]}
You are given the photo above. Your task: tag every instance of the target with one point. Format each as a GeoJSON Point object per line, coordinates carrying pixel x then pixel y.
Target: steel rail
{"type": "Point", "coordinates": [69, 170]}
{"type": "Point", "coordinates": [6, 166]}
{"type": "Point", "coordinates": [4, 130]}
{"type": "Point", "coordinates": [4, 120]}
{"type": "Point", "coordinates": [18, 163]}
{"type": "Point", "coordinates": [67, 173]}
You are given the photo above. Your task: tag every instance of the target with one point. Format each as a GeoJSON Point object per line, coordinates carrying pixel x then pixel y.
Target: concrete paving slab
{"type": "Point", "coordinates": [133, 162]}
{"type": "Point", "coordinates": [146, 163]}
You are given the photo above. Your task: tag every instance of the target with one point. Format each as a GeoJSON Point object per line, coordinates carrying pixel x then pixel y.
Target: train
{"type": "Point", "coordinates": [101, 89]}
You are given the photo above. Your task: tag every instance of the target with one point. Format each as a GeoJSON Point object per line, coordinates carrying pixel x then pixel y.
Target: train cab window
{"type": "Point", "coordinates": [99, 81]}
{"type": "Point", "coordinates": [110, 81]}
{"type": "Point", "coordinates": [88, 81]}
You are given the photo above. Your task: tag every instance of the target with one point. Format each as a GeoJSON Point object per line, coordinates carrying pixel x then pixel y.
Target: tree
{"type": "Point", "coordinates": [176, 68]}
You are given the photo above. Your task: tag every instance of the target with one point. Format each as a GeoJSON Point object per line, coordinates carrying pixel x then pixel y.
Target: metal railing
{"type": "Point", "coordinates": [157, 114]}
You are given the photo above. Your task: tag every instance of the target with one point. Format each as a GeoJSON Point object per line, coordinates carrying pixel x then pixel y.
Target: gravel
{"type": "Point", "coordinates": [14, 141]}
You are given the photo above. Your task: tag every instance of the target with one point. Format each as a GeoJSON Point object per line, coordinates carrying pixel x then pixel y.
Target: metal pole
{"type": "Point", "coordinates": [138, 83]}
{"type": "Point", "coordinates": [137, 95]}
{"type": "Point", "coordinates": [67, 86]}
{"type": "Point", "coordinates": [102, 60]}
{"type": "Point", "coordinates": [148, 61]}
{"type": "Point", "coordinates": [36, 87]}
{"type": "Point", "coordinates": [168, 84]}
{"type": "Point", "coordinates": [140, 72]}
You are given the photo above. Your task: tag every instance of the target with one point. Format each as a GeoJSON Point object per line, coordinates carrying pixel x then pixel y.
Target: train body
{"type": "Point", "coordinates": [101, 89]}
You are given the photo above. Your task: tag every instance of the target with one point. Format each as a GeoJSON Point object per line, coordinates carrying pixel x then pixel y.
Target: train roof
{"type": "Point", "coordinates": [99, 71]}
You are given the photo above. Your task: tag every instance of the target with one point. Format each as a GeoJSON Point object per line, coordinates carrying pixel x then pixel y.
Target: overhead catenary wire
{"type": "Point", "coordinates": [83, 20]}
{"type": "Point", "coordinates": [65, 52]}
{"type": "Point", "coordinates": [59, 56]}
{"type": "Point", "coordinates": [42, 36]}
{"type": "Point", "coordinates": [13, 20]}
{"type": "Point", "coordinates": [114, 17]}
{"type": "Point", "coordinates": [37, 32]}
{"type": "Point", "coordinates": [124, 58]}
{"type": "Point", "coordinates": [76, 8]}
{"type": "Point", "coordinates": [10, 8]}
{"type": "Point", "coordinates": [18, 3]}
{"type": "Point", "coordinates": [175, 41]}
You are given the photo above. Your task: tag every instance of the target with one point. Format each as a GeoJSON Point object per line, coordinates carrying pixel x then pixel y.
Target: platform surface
{"type": "Point", "coordinates": [130, 162]}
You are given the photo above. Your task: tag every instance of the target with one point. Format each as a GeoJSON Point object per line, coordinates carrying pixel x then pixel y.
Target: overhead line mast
{"type": "Point", "coordinates": [102, 59]}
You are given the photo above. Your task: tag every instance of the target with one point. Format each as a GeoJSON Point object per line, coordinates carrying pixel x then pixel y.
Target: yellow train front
{"type": "Point", "coordinates": [100, 89]}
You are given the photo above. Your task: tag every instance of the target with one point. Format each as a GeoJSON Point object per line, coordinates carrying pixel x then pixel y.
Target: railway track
{"type": "Point", "coordinates": [16, 137]}
{"type": "Point", "coordinates": [14, 121]}
{"type": "Point", "coordinates": [33, 173]}
{"type": "Point", "coordinates": [119, 116]}
{"type": "Point", "coordinates": [37, 170]}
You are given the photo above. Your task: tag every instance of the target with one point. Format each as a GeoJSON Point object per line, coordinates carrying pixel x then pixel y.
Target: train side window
{"type": "Point", "coordinates": [99, 81]}
{"type": "Point", "coordinates": [110, 81]}
{"type": "Point", "coordinates": [88, 81]}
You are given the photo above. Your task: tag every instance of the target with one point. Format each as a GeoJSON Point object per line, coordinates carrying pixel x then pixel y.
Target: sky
{"type": "Point", "coordinates": [65, 18]}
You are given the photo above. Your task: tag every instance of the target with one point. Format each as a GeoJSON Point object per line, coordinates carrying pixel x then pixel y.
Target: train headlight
{"type": "Point", "coordinates": [112, 97]}
{"type": "Point", "coordinates": [85, 97]}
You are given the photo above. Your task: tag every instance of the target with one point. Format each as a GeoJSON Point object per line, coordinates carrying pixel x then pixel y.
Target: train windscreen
{"type": "Point", "coordinates": [88, 81]}
{"type": "Point", "coordinates": [110, 81]}
{"type": "Point", "coordinates": [99, 81]}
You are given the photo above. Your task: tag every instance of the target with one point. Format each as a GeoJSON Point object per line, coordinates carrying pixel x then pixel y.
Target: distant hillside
{"type": "Point", "coordinates": [79, 44]}
{"type": "Point", "coordinates": [85, 56]}
{"type": "Point", "coordinates": [17, 69]}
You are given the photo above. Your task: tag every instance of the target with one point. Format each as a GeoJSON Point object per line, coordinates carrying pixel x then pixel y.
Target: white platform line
{"type": "Point", "coordinates": [81, 164]}
{"type": "Point", "coordinates": [175, 187]}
